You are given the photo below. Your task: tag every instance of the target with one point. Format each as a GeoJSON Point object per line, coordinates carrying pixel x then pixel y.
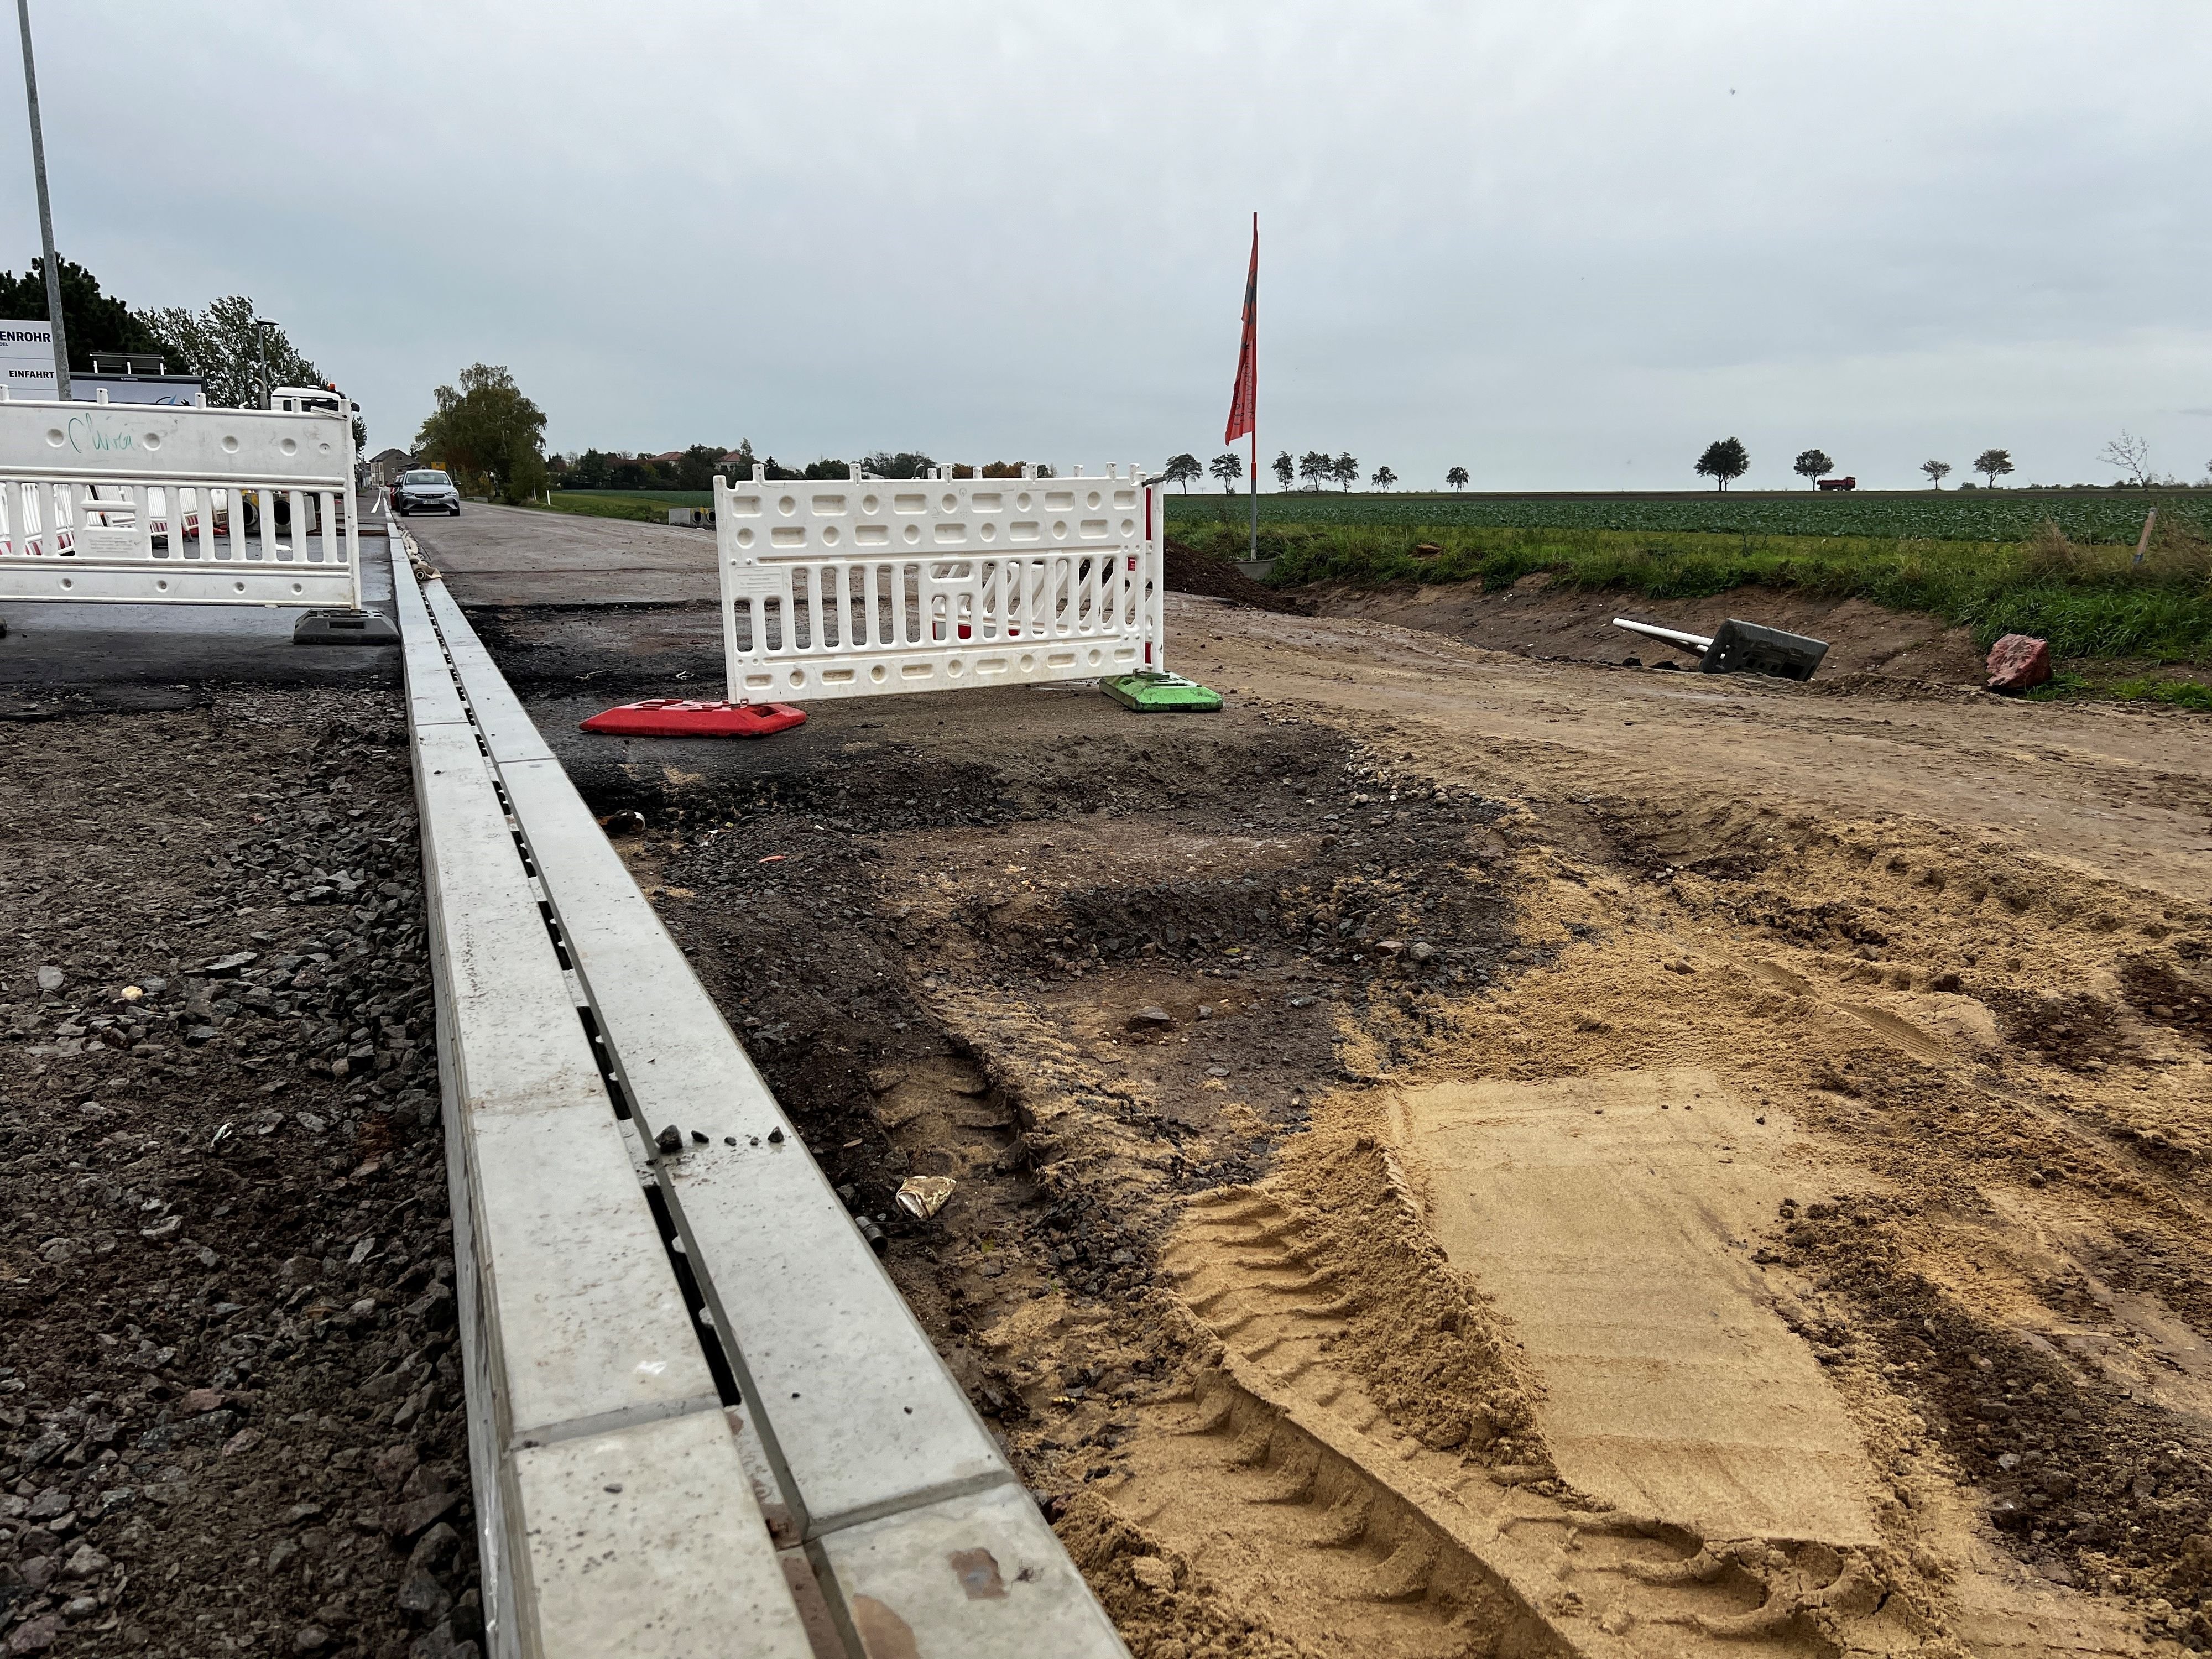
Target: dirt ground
{"type": "Point", "coordinates": [1185, 570]}
{"type": "Point", "coordinates": [1457, 1154]}
{"type": "Point", "coordinates": [1534, 618]}
{"type": "Point", "coordinates": [1461, 1155]}
{"type": "Point", "coordinates": [230, 1408]}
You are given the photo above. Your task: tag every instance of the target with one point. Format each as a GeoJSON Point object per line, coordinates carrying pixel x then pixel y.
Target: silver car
{"type": "Point", "coordinates": [425, 490]}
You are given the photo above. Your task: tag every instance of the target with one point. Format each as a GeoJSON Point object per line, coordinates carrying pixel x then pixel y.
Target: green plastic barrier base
{"type": "Point", "coordinates": [1161, 694]}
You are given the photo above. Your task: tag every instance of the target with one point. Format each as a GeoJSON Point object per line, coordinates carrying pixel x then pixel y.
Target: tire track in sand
{"type": "Point", "coordinates": [1608, 1218]}
{"type": "Point", "coordinates": [1274, 1468]}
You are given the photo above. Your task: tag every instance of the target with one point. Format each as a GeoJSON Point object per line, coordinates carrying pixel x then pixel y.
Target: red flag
{"type": "Point", "coordinates": [1245, 403]}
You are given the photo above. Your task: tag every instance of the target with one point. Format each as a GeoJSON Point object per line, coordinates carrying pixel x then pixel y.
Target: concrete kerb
{"type": "Point", "coordinates": [861, 1437]}
{"type": "Point", "coordinates": [655, 1555]}
{"type": "Point", "coordinates": [1011, 1593]}
{"type": "Point", "coordinates": [860, 1416]}
{"type": "Point", "coordinates": [578, 1351]}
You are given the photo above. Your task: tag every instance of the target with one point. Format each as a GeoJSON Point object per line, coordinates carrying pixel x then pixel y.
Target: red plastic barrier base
{"type": "Point", "coordinates": [676, 717]}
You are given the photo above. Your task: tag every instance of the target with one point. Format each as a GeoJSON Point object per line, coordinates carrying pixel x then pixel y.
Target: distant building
{"type": "Point", "coordinates": [386, 467]}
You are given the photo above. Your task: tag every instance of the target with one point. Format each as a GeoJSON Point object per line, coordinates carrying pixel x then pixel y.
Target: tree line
{"type": "Point", "coordinates": [1314, 468]}
{"type": "Point", "coordinates": [1726, 459]}
{"type": "Point", "coordinates": [695, 466]}
{"type": "Point", "coordinates": [219, 341]}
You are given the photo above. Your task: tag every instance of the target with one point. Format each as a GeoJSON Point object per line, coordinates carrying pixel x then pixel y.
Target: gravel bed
{"type": "Point", "coordinates": [230, 1406]}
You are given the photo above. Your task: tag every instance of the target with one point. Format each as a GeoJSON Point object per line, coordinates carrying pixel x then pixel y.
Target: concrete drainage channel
{"type": "Point", "coordinates": [700, 1416]}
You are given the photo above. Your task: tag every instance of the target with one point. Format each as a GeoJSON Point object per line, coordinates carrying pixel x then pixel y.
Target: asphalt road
{"type": "Point", "coordinates": [516, 555]}
{"type": "Point", "coordinates": [111, 648]}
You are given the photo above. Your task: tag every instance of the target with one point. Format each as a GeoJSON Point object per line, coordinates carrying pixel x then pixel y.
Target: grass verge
{"type": "Point", "coordinates": [646, 508]}
{"type": "Point", "coordinates": [2093, 516]}
{"type": "Point", "coordinates": [2067, 686]}
{"type": "Point", "coordinates": [2087, 601]}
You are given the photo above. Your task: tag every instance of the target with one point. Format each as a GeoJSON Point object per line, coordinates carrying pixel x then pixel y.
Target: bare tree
{"type": "Point", "coordinates": [1457, 477]}
{"type": "Point", "coordinates": [1936, 472]}
{"type": "Point", "coordinates": [2130, 455]}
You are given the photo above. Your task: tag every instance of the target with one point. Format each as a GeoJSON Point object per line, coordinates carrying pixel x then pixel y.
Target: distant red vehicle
{"type": "Point", "coordinates": [1839, 484]}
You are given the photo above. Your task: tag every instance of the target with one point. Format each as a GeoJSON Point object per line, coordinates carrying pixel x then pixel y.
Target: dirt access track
{"type": "Point", "coordinates": [1459, 1155]}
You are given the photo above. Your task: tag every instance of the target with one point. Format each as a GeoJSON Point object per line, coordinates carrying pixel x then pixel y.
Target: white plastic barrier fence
{"type": "Point", "coordinates": [865, 587]}
{"type": "Point", "coordinates": [146, 503]}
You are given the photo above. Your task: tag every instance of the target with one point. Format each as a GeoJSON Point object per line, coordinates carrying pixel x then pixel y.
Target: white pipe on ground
{"type": "Point", "coordinates": [1673, 636]}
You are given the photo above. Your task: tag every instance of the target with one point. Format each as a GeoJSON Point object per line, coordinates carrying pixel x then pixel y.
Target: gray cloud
{"type": "Point", "coordinates": [1563, 245]}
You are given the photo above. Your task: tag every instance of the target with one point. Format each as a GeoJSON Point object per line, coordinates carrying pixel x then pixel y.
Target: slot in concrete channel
{"type": "Point", "coordinates": [701, 1417]}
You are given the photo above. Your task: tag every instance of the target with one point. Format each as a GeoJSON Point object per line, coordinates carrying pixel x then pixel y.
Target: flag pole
{"type": "Point", "coordinates": [1254, 553]}
{"type": "Point", "coordinates": [1245, 401]}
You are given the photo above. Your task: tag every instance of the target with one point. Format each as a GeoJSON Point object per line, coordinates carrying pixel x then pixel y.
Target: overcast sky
{"type": "Point", "coordinates": [1564, 244]}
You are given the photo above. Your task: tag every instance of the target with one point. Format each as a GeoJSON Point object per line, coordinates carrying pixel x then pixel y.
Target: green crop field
{"type": "Point", "coordinates": [2069, 576]}
{"type": "Point", "coordinates": [2089, 516]}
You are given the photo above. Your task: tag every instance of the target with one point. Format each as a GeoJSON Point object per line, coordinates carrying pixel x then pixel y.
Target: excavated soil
{"type": "Point", "coordinates": [1440, 1173]}
{"type": "Point", "coordinates": [1186, 570]}
{"type": "Point", "coordinates": [1535, 617]}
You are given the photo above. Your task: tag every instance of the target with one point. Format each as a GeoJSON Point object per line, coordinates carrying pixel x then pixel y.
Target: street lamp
{"type": "Point", "coordinates": [45, 213]}
{"type": "Point", "coordinates": [261, 327]}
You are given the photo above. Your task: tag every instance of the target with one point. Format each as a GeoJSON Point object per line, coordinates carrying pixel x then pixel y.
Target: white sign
{"type": "Point", "coordinates": [26, 357]}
